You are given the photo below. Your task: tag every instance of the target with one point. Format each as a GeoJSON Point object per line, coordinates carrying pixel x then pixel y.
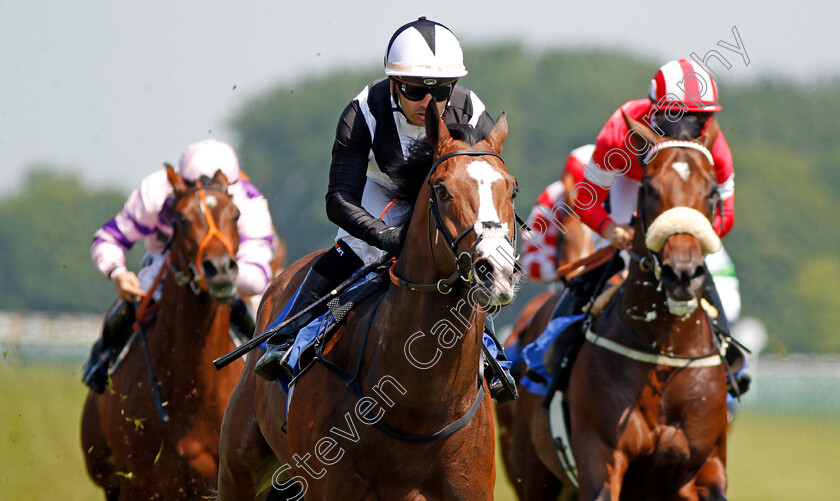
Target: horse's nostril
{"type": "Point", "coordinates": [699, 272]}
{"type": "Point", "coordinates": [483, 270]}
{"type": "Point", "coordinates": [220, 266]}
{"type": "Point", "coordinates": [668, 273]}
{"type": "Point", "coordinates": [210, 269]}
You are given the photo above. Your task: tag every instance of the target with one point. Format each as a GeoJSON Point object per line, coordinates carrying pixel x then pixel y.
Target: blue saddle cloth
{"type": "Point", "coordinates": [533, 353]}
{"type": "Point", "coordinates": [308, 334]}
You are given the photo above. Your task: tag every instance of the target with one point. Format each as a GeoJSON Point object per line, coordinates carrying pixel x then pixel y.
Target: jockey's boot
{"type": "Point", "coordinates": [241, 319]}
{"type": "Point", "coordinates": [115, 332]}
{"type": "Point", "coordinates": [576, 295]}
{"type": "Point", "coordinates": [739, 382]}
{"type": "Point", "coordinates": [501, 383]}
{"type": "Point", "coordinates": [273, 364]}
{"type": "Point", "coordinates": [571, 303]}
{"type": "Point", "coordinates": [579, 291]}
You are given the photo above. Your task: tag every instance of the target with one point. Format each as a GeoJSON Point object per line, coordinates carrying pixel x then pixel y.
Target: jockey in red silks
{"type": "Point", "coordinates": [682, 99]}
{"type": "Point", "coordinates": [540, 252]}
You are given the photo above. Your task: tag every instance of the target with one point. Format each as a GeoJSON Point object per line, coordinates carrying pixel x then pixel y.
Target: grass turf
{"type": "Point", "coordinates": [770, 457]}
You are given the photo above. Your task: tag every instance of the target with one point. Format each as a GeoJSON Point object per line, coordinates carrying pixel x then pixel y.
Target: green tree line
{"type": "Point", "coordinates": [785, 243]}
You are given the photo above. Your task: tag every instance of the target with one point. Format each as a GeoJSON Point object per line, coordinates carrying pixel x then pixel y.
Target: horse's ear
{"type": "Point", "coordinates": [640, 137]}
{"type": "Point", "coordinates": [175, 179]}
{"type": "Point", "coordinates": [221, 178]}
{"type": "Point", "coordinates": [436, 130]}
{"type": "Point", "coordinates": [499, 133]}
{"type": "Point", "coordinates": [710, 134]}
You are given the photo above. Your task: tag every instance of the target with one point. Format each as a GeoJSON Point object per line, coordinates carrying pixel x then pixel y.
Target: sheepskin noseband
{"type": "Point", "coordinates": [682, 220]}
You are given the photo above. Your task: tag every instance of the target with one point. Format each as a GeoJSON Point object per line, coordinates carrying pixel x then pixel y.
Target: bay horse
{"type": "Point", "coordinates": [128, 450]}
{"type": "Point", "coordinates": [647, 392]}
{"type": "Point", "coordinates": [574, 243]}
{"type": "Point", "coordinates": [416, 423]}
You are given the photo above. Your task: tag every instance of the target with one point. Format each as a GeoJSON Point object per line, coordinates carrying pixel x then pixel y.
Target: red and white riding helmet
{"type": "Point", "coordinates": [425, 49]}
{"type": "Point", "coordinates": [204, 158]}
{"type": "Point", "coordinates": [683, 84]}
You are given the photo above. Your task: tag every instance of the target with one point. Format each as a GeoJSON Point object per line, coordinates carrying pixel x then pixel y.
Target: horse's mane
{"type": "Point", "coordinates": [412, 172]}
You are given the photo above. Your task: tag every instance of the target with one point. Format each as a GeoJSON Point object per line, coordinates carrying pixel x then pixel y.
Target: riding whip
{"type": "Point", "coordinates": [244, 348]}
{"type": "Point", "coordinates": [159, 404]}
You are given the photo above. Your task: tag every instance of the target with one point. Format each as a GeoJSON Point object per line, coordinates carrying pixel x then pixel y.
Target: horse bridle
{"type": "Point", "coordinates": [193, 275]}
{"type": "Point", "coordinates": [462, 276]}
{"type": "Point", "coordinates": [650, 261]}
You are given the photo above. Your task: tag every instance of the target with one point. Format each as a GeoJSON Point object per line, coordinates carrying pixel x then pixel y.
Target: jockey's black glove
{"type": "Point", "coordinates": [391, 239]}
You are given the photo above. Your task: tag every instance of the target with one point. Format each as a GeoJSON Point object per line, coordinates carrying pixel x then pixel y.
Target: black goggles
{"type": "Point", "coordinates": [413, 92]}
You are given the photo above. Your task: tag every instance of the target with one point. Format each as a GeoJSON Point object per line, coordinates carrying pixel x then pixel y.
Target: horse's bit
{"type": "Point", "coordinates": [463, 260]}
{"type": "Point", "coordinates": [194, 276]}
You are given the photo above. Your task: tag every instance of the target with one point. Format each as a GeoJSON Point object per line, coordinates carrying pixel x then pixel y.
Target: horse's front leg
{"type": "Point", "coordinates": [710, 482]}
{"type": "Point", "coordinates": [601, 471]}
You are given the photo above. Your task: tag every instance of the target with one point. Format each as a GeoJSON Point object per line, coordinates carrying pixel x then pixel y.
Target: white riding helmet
{"type": "Point", "coordinates": [204, 158]}
{"type": "Point", "coordinates": [424, 48]}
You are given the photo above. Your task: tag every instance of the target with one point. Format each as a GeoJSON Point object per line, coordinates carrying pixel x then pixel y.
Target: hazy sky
{"type": "Point", "coordinates": [112, 88]}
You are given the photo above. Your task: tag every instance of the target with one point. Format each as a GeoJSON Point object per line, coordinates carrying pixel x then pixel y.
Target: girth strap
{"type": "Point", "coordinates": [353, 383]}
{"type": "Point", "coordinates": [709, 360]}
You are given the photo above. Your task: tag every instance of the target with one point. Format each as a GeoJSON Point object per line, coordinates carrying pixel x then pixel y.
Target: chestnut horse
{"type": "Point", "coordinates": [647, 392]}
{"type": "Point", "coordinates": [129, 451]}
{"type": "Point", "coordinates": [416, 422]}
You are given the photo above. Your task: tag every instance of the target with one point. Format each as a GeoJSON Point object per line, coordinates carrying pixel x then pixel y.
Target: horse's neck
{"type": "Point", "coordinates": [190, 331]}
{"type": "Point", "coordinates": [429, 342]}
{"type": "Point", "coordinates": [643, 308]}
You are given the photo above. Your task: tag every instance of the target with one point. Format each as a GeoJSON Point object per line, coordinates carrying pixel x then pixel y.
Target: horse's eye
{"type": "Point", "coordinates": [514, 192]}
{"type": "Point", "coordinates": [441, 192]}
{"type": "Point", "coordinates": [181, 219]}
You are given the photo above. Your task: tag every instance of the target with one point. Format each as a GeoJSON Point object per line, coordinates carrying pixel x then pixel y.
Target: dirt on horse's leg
{"type": "Point", "coordinates": [96, 450]}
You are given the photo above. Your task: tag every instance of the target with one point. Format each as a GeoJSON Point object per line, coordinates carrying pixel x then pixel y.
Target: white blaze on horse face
{"type": "Point", "coordinates": [484, 175]}
{"type": "Point", "coordinates": [682, 169]}
{"type": "Point", "coordinates": [493, 243]}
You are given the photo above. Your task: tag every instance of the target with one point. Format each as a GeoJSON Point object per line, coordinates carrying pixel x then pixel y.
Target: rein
{"type": "Point", "coordinates": [650, 263]}
{"type": "Point", "coordinates": [352, 382]}
{"type": "Point", "coordinates": [194, 276]}
{"type": "Point", "coordinates": [462, 276]}
{"type": "Point", "coordinates": [597, 258]}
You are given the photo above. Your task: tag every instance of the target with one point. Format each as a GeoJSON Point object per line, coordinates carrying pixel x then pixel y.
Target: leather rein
{"type": "Point", "coordinates": [462, 276]}
{"type": "Point", "coordinates": [650, 263]}
{"type": "Point", "coordinates": [194, 274]}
